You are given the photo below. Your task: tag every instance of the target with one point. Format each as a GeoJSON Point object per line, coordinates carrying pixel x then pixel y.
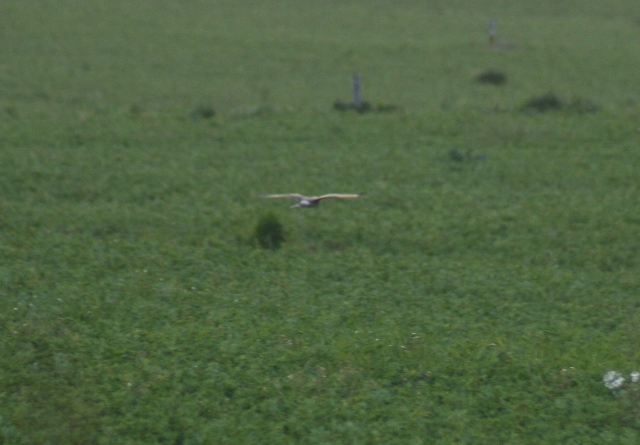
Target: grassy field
{"type": "Point", "coordinates": [476, 294]}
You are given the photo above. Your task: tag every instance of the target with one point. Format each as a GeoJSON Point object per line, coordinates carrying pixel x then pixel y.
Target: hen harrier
{"type": "Point", "coordinates": [310, 201]}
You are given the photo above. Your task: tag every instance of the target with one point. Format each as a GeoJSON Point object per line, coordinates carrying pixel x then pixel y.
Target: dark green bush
{"type": "Point", "coordinates": [270, 232]}
{"type": "Point", "coordinates": [492, 76]}
{"type": "Point", "coordinates": [552, 102]}
{"type": "Point", "coordinates": [544, 103]}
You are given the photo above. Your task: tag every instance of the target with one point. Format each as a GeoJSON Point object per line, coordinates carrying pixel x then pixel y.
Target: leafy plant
{"type": "Point", "coordinates": [492, 76]}
{"type": "Point", "coordinates": [270, 232]}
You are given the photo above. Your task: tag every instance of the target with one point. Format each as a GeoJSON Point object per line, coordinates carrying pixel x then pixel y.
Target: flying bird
{"type": "Point", "coordinates": [310, 201]}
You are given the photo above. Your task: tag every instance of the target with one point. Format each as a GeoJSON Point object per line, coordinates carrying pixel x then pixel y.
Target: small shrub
{"type": "Point", "coordinates": [202, 112]}
{"type": "Point", "coordinates": [365, 107]}
{"type": "Point", "coordinates": [544, 103]}
{"type": "Point", "coordinates": [492, 76]}
{"type": "Point", "coordinates": [362, 107]}
{"type": "Point", "coordinates": [270, 232]}
{"type": "Point", "coordinates": [551, 102]}
{"type": "Point", "coordinates": [457, 156]}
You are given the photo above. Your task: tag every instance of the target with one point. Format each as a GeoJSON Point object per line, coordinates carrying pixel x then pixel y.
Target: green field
{"type": "Point", "coordinates": [476, 294]}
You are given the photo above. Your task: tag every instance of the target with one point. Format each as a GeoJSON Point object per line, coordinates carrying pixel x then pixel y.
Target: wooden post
{"type": "Point", "coordinates": [492, 33]}
{"type": "Point", "coordinates": [355, 91]}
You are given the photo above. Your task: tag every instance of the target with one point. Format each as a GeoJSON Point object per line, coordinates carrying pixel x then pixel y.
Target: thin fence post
{"type": "Point", "coordinates": [355, 90]}
{"type": "Point", "coordinates": [492, 33]}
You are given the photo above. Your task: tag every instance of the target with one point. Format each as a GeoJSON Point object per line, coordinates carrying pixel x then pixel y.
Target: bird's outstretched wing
{"type": "Point", "coordinates": [339, 195]}
{"type": "Point", "coordinates": [311, 201]}
{"type": "Point", "coordinates": [286, 195]}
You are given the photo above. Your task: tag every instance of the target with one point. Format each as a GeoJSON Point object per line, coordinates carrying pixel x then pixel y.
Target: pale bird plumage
{"type": "Point", "coordinates": [312, 201]}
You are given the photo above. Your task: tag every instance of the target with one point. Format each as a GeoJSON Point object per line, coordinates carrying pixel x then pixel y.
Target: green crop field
{"type": "Point", "coordinates": [478, 292]}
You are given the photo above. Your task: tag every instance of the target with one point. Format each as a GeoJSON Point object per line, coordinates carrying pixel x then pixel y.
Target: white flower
{"type": "Point", "coordinates": [613, 380]}
{"type": "Point", "coordinates": [635, 376]}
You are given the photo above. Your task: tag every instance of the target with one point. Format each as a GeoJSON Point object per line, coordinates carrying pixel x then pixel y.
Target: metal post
{"type": "Point", "coordinates": [355, 90]}
{"type": "Point", "coordinates": [492, 33]}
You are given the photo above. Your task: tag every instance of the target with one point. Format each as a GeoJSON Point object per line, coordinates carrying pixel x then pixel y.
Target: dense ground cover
{"type": "Point", "coordinates": [477, 293]}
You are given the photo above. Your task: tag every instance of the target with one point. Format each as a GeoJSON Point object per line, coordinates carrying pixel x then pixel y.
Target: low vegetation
{"type": "Point", "coordinates": [481, 291]}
